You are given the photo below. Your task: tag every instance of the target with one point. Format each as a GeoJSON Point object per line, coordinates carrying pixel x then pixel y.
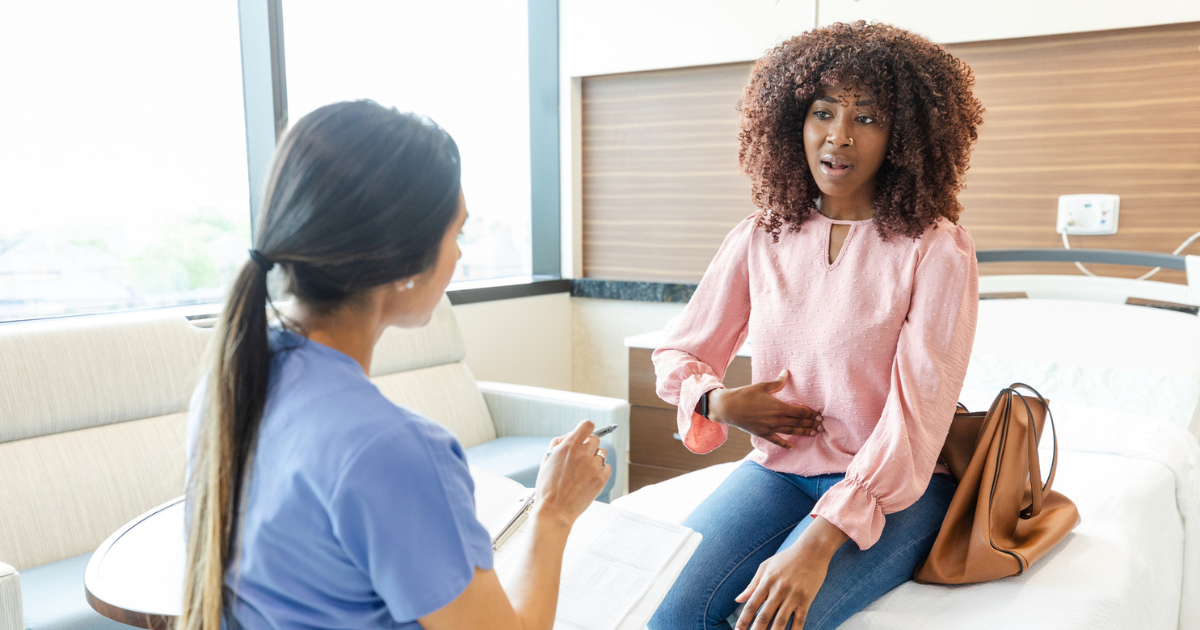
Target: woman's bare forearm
{"type": "Point", "coordinates": [823, 537]}
{"type": "Point", "coordinates": [533, 589]}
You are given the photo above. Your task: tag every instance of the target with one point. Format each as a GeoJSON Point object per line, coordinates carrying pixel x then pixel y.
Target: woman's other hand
{"type": "Point", "coordinates": [572, 474]}
{"type": "Point", "coordinates": [755, 410]}
{"type": "Point", "coordinates": [786, 583]}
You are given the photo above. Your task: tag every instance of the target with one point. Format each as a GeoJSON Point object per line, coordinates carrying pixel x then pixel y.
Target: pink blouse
{"type": "Point", "coordinates": [877, 342]}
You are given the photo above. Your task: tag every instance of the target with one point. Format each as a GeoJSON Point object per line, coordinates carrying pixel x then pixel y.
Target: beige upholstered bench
{"type": "Point", "coordinates": [92, 417]}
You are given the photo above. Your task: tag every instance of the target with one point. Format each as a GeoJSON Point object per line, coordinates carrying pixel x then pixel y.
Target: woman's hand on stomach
{"type": "Point", "coordinates": [572, 475]}
{"type": "Point", "coordinates": [755, 410]}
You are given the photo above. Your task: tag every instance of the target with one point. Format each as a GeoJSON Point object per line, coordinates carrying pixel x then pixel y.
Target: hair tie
{"type": "Point", "coordinates": [264, 263]}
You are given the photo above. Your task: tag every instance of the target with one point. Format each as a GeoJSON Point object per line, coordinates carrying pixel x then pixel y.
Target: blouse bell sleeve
{"type": "Point", "coordinates": [893, 468]}
{"type": "Point", "coordinates": [702, 341]}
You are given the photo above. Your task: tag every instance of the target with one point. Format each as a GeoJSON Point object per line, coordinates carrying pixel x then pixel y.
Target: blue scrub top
{"type": "Point", "coordinates": [361, 514]}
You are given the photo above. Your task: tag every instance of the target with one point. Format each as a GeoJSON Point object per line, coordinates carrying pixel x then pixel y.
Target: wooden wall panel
{"type": "Point", "coordinates": [1105, 112]}
{"type": "Point", "coordinates": [661, 186]}
{"type": "Point", "coordinates": [1113, 112]}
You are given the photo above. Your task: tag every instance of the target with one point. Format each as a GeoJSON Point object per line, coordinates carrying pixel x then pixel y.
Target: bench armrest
{"type": "Point", "coordinates": [521, 410]}
{"type": "Point", "coordinates": [12, 617]}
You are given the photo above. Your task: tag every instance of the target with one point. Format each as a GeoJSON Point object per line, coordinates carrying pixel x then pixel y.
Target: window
{"type": "Point", "coordinates": [123, 172]}
{"type": "Point", "coordinates": [133, 131]}
{"type": "Point", "coordinates": [463, 63]}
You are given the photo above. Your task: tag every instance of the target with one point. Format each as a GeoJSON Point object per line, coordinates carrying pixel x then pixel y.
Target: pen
{"type": "Point", "coordinates": [601, 432]}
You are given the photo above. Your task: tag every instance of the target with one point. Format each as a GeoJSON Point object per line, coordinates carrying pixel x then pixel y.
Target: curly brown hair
{"type": "Point", "coordinates": [919, 88]}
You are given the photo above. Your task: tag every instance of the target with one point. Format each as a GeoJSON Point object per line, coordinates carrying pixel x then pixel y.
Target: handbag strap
{"type": "Point", "coordinates": [1037, 490]}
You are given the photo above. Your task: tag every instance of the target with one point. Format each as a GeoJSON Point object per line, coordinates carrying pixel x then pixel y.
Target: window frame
{"type": "Point", "coordinates": [264, 80]}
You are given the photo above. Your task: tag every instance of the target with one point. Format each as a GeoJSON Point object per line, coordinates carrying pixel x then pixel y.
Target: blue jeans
{"type": "Point", "coordinates": [756, 513]}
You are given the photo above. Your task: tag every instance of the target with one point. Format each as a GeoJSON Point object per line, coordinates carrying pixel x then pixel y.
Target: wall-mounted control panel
{"type": "Point", "coordinates": [1088, 214]}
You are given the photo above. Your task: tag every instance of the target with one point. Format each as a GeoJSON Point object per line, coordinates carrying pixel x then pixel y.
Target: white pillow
{"type": "Point", "coordinates": [1091, 334]}
{"type": "Point", "coordinates": [1115, 356]}
{"type": "Point", "coordinates": [1168, 397]}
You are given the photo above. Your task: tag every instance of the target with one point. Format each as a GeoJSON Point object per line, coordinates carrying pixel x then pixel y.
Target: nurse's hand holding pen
{"type": "Point", "coordinates": [572, 474]}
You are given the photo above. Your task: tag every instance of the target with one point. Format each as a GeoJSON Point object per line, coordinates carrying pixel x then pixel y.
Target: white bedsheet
{"type": "Point", "coordinates": [1133, 562]}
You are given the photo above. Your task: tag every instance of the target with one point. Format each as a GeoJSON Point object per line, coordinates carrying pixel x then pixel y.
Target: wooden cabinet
{"type": "Point", "coordinates": [656, 452]}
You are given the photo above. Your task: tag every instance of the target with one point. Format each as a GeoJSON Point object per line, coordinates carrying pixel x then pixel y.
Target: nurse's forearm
{"type": "Point", "coordinates": [533, 590]}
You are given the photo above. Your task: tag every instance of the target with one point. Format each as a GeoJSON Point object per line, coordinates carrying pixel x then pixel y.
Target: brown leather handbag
{"type": "Point", "coordinates": [1002, 518]}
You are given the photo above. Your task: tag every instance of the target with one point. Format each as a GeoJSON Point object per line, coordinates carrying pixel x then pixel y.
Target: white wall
{"type": "Point", "coordinates": [948, 21]}
{"type": "Point", "coordinates": [556, 341]}
{"type": "Point", "coordinates": [600, 361]}
{"type": "Point", "coordinates": [526, 341]}
{"type": "Point", "coordinates": [631, 35]}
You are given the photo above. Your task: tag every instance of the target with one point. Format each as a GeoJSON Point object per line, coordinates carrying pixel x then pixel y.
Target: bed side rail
{"type": "Point", "coordinates": [1188, 264]}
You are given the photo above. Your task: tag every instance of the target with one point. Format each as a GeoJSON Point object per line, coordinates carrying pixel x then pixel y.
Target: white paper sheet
{"type": "Point", "coordinates": [640, 615]}
{"type": "Point", "coordinates": [499, 501]}
{"type": "Point", "coordinates": [612, 559]}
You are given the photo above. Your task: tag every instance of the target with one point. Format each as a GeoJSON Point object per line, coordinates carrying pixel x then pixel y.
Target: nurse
{"type": "Point", "coordinates": [313, 501]}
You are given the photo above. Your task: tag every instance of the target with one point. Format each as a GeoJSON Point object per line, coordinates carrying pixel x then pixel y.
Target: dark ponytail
{"type": "Point", "coordinates": [359, 195]}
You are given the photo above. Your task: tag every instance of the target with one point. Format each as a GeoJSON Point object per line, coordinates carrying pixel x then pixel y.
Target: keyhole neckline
{"type": "Point", "coordinates": [853, 227]}
{"type": "Point", "coordinates": [826, 219]}
{"type": "Point", "coordinates": [817, 212]}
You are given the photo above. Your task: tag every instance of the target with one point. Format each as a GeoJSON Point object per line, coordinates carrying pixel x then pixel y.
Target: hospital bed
{"type": "Point", "coordinates": [1124, 386]}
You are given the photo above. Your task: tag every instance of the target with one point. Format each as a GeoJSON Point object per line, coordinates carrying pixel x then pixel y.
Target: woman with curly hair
{"type": "Point", "coordinates": [858, 293]}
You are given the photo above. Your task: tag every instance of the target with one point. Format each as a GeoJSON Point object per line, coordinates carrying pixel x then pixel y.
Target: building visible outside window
{"type": "Point", "coordinates": [463, 63]}
{"type": "Point", "coordinates": [123, 178]}
{"type": "Point", "coordinates": [123, 160]}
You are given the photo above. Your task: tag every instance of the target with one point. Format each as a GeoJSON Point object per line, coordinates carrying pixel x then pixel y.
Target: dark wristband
{"type": "Point", "coordinates": [704, 404]}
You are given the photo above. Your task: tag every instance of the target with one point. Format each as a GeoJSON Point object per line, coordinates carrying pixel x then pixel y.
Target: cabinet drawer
{"type": "Point", "coordinates": [652, 442]}
{"type": "Point", "coordinates": [642, 382]}
{"type": "Point", "coordinates": [641, 475]}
